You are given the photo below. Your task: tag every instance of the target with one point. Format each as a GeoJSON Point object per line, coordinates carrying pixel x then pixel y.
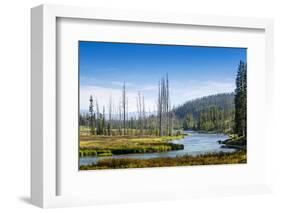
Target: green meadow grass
{"type": "Point", "coordinates": [92, 145]}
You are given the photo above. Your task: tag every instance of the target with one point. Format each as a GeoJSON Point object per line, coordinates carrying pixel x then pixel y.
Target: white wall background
{"type": "Point", "coordinates": [15, 104]}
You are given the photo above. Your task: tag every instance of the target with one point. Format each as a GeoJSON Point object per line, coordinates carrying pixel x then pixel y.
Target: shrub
{"type": "Point", "coordinates": [87, 152]}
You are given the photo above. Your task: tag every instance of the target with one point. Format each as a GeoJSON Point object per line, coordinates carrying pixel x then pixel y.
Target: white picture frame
{"type": "Point", "coordinates": [45, 178]}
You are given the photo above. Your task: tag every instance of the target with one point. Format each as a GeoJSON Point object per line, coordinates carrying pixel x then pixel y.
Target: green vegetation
{"type": "Point", "coordinates": [116, 121]}
{"type": "Point", "coordinates": [239, 139]}
{"type": "Point", "coordinates": [235, 141]}
{"type": "Point", "coordinates": [115, 132]}
{"type": "Point", "coordinates": [224, 113]}
{"type": "Point", "coordinates": [206, 159]}
{"type": "Point", "coordinates": [214, 113]}
{"type": "Point", "coordinates": [241, 100]}
{"type": "Point", "coordinates": [92, 152]}
{"type": "Point", "coordinates": [220, 113]}
{"type": "Point", "coordinates": [98, 145]}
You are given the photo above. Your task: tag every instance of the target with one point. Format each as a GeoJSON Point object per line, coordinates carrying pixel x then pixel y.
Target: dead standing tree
{"type": "Point", "coordinates": [127, 115]}
{"type": "Point", "coordinates": [140, 114]}
{"type": "Point", "coordinates": [124, 108]}
{"type": "Point", "coordinates": [159, 109]}
{"type": "Point", "coordinates": [144, 114]}
{"type": "Point", "coordinates": [120, 117]}
{"type": "Point", "coordinates": [168, 108]}
{"type": "Point", "coordinates": [163, 108]}
{"type": "Point", "coordinates": [145, 122]}
{"type": "Point", "coordinates": [109, 125]}
{"type": "Point", "coordinates": [91, 116]}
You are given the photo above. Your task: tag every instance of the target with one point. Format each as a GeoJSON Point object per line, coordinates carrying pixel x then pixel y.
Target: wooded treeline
{"type": "Point", "coordinates": [219, 113]}
{"type": "Point", "coordinates": [116, 120]}
{"type": "Point", "coordinates": [216, 113]}
{"type": "Point", "coordinates": [210, 113]}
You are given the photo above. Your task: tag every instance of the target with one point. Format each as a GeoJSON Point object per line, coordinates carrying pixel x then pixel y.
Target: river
{"type": "Point", "coordinates": [194, 144]}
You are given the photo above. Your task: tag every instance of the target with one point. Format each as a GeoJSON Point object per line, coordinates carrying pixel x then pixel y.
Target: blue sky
{"type": "Point", "coordinates": [193, 71]}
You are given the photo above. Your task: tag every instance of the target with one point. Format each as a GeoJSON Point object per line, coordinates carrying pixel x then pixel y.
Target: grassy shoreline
{"type": "Point", "coordinates": [117, 145]}
{"type": "Point", "coordinates": [238, 157]}
{"type": "Point", "coordinates": [235, 142]}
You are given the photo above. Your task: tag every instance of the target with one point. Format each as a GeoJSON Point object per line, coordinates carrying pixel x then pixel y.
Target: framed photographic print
{"type": "Point", "coordinates": [148, 105]}
{"type": "Point", "coordinates": [151, 105]}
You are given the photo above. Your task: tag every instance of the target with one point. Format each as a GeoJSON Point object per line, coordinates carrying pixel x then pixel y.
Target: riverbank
{"type": "Point", "coordinates": [206, 159]}
{"type": "Point", "coordinates": [235, 142]}
{"type": "Point", "coordinates": [207, 131]}
{"type": "Point", "coordinates": [93, 145]}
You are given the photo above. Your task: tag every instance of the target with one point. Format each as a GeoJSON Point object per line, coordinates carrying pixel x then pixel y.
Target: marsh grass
{"type": "Point", "coordinates": [116, 145]}
{"type": "Point", "coordinates": [206, 159]}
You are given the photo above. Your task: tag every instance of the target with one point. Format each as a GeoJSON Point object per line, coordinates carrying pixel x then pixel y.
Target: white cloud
{"type": "Point", "coordinates": [117, 83]}
{"type": "Point", "coordinates": [149, 88]}
{"type": "Point", "coordinates": [180, 93]}
{"type": "Point", "coordinates": [193, 90]}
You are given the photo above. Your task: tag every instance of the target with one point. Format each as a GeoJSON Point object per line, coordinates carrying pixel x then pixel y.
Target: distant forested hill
{"type": "Point", "coordinates": [210, 113]}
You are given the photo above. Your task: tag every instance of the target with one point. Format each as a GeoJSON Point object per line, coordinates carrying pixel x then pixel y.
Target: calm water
{"type": "Point", "coordinates": [194, 144]}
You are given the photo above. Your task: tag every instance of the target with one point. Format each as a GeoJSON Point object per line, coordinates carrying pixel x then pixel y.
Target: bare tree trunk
{"type": "Point", "coordinates": [164, 106]}
{"type": "Point", "coordinates": [119, 117]}
{"type": "Point", "coordinates": [160, 109]}
{"type": "Point", "coordinates": [127, 114]}
{"type": "Point", "coordinates": [138, 118]}
{"type": "Point", "coordinates": [164, 109]}
{"type": "Point", "coordinates": [103, 121]}
{"type": "Point", "coordinates": [143, 114]}
{"type": "Point", "coordinates": [97, 118]}
{"type": "Point", "coordinates": [110, 115]}
{"type": "Point", "coordinates": [124, 108]}
{"type": "Point", "coordinates": [169, 126]}
{"type": "Point", "coordinates": [140, 113]}
{"type": "Point", "coordinates": [91, 118]}
{"type": "Point", "coordinates": [97, 108]}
